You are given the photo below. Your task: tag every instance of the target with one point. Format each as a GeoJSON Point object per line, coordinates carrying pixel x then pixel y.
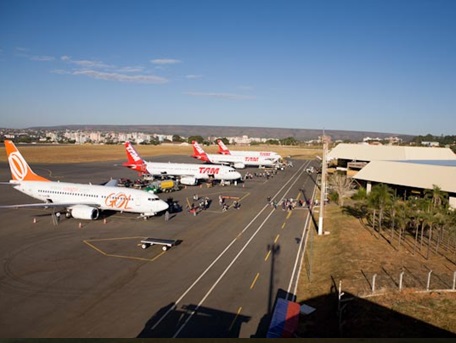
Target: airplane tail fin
{"type": "Point", "coordinates": [135, 161]}
{"type": "Point", "coordinates": [199, 153]}
{"type": "Point", "coordinates": [222, 149]}
{"type": "Point", "coordinates": [20, 170]}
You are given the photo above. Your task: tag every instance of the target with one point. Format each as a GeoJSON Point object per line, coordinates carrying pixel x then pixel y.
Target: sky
{"type": "Point", "coordinates": [358, 65]}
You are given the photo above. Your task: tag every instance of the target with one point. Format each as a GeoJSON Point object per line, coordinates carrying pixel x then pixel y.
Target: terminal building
{"type": "Point", "coordinates": [408, 170]}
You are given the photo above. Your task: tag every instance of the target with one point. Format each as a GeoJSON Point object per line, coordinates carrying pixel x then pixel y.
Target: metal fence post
{"type": "Point", "coordinates": [428, 280]}
{"type": "Point", "coordinates": [401, 276]}
{"type": "Point", "coordinates": [454, 281]}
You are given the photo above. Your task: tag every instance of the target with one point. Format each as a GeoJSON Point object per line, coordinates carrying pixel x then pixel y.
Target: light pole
{"type": "Point", "coordinates": [322, 185]}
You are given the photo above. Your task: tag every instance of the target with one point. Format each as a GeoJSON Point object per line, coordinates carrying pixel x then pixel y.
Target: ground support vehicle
{"type": "Point", "coordinates": [166, 243]}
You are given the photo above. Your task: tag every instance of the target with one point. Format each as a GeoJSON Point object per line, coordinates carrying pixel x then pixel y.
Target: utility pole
{"type": "Point", "coordinates": [323, 184]}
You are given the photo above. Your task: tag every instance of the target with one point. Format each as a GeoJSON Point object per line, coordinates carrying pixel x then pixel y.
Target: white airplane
{"type": "Point", "coordinates": [81, 201]}
{"type": "Point", "coordinates": [188, 173]}
{"type": "Point", "coordinates": [236, 161]}
{"type": "Point", "coordinates": [222, 149]}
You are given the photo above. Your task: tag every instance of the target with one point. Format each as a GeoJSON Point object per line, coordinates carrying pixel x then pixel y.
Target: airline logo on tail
{"type": "Point", "coordinates": [198, 152]}
{"type": "Point", "coordinates": [135, 161]}
{"type": "Point", "coordinates": [222, 148]}
{"type": "Point", "coordinates": [20, 170]}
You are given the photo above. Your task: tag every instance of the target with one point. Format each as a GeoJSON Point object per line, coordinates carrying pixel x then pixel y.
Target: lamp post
{"type": "Point", "coordinates": [323, 185]}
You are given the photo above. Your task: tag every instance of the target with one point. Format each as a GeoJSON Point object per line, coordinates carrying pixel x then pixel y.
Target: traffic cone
{"type": "Point", "coordinates": [80, 225]}
{"type": "Point", "coordinates": [34, 220]}
{"type": "Point", "coordinates": [104, 221]}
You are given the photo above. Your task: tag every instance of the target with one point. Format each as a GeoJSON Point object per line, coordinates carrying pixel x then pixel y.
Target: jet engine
{"type": "Point", "coordinates": [188, 180]}
{"type": "Point", "coordinates": [239, 165]}
{"type": "Point", "coordinates": [84, 212]}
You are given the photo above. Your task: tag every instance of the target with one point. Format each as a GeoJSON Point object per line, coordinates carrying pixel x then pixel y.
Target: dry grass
{"type": "Point", "coordinates": [353, 253]}
{"type": "Point", "coordinates": [92, 153]}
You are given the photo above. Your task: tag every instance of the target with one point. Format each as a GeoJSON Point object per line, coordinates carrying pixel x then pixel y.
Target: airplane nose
{"type": "Point", "coordinates": [164, 205]}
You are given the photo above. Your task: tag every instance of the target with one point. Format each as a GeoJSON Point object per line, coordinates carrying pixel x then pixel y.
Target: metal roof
{"type": "Point", "coordinates": [410, 174]}
{"type": "Point", "coordinates": [365, 152]}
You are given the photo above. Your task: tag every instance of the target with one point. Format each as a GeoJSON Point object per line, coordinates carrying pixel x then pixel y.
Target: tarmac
{"type": "Point", "coordinates": [92, 279]}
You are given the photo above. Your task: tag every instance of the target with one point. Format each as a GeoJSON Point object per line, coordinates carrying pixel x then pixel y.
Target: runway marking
{"type": "Point", "coordinates": [254, 280]}
{"type": "Point", "coordinates": [87, 242]}
{"type": "Point", "coordinates": [289, 214]}
{"type": "Point", "coordinates": [276, 239]}
{"type": "Point", "coordinates": [267, 255]}
{"type": "Point", "coordinates": [235, 318]}
{"type": "Point", "coordinates": [283, 225]}
{"type": "Point", "coordinates": [172, 308]}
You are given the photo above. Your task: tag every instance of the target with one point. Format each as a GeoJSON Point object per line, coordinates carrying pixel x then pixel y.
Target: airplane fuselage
{"type": "Point", "coordinates": [199, 171]}
{"type": "Point", "coordinates": [97, 196]}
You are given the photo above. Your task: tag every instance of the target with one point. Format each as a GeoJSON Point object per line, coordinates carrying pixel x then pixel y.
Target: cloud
{"type": "Point", "coordinates": [42, 58]}
{"type": "Point", "coordinates": [229, 96]}
{"type": "Point", "coordinates": [89, 64]}
{"type": "Point", "coordinates": [162, 61]}
{"type": "Point", "coordinates": [193, 77]}
{"type": "Point", "coordinates": [149, 79]}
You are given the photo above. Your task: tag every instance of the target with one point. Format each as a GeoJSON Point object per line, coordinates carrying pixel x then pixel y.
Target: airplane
{"type": "Point", "coordinates": [188, 173]}
{"type": "Point", "coordinates": [222, 149]}
{"type": "Point", "coordinates": [81, 201]}
{"type": "Point", "coordinates": [236, 161]}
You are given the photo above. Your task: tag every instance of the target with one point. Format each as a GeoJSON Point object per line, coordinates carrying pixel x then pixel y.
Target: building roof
{"type": "Point", "coordinates": [365, 152]}
{"type": "Point", "coordinates": [410, 174]}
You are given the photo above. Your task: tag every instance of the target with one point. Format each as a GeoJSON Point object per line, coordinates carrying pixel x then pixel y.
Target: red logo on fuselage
{"type": "Point", "coordinates": [251, 159]}
{"type": "Point", "coordinates": [209, 170]}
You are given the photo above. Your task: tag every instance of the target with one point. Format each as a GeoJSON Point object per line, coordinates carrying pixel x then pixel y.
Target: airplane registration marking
{"type": "Point", "coordinates": [119, 200]}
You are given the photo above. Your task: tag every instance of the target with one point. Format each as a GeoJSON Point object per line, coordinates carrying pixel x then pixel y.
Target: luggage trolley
{"type": "Point", "coordinates": [166, 243]}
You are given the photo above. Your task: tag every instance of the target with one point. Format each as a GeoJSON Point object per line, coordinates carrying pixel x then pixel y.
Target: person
{"type": "Point", "coordinates": [166, 216]}
{"type": "Point", "coordinates": [236, 205]}
{"type": "Point", "coordinates": [195, 197]}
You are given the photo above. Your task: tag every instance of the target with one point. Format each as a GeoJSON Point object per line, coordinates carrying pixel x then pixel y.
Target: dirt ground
{"type": "Point", "coordinates": [70, 153]}
{"type": "Point", "coordinates": [349, 258]}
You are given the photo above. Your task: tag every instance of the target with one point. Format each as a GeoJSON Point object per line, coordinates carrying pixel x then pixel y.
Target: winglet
{"type": "Point", "coordinates": [135, 161]}
{"type": "Point", "coordinates": [222, 148]}
{"type": "Point", "coordinates": [199, 153]}
{"type": "Point", "coordinates": [20, 170]}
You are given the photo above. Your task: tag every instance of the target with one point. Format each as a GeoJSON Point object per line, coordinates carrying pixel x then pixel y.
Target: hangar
{"type": "Point", "coordinates": [407, 169]}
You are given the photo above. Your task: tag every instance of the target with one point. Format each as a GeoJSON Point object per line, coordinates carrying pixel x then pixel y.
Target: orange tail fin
{"type": "Point", "coordinates": [20, 170]}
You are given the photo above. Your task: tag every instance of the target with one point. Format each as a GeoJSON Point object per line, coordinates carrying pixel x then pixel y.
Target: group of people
{"type": "Point", "coordinates": [288, 204]}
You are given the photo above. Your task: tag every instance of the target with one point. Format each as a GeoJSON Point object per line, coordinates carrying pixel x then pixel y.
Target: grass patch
{"type": "Point", "coordinates": [353, 253]}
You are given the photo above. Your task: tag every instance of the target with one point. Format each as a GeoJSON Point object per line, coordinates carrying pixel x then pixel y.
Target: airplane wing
{"type": "Point", "coordinates": [48, 205]}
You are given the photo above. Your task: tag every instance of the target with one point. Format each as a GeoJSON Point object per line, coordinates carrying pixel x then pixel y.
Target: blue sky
{"type": "Point", "coordinates": [366, 65]}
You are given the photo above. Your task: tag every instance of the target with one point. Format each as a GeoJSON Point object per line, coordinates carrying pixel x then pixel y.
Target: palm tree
{"type": "Point", "coordinates": [382, 195]}
{"type": "Point", "coordinates": [437, 196]}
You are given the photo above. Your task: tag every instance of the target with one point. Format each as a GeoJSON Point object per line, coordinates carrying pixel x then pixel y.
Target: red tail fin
{"type": "Point", "coordinates": [222, 148]}
{"type": "Point", "coordinates": [20, 170]}
{"type": "Point", "coordinates": [135, 161]}
{"type": "Point", "coordinates": [199, 153]}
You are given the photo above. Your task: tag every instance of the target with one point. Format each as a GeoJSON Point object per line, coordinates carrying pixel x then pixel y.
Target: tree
{"type": "Point", "coordinates": [378, 199]}
{"type": "Point", "coordinates": [342, 185]}
{"type": "Point", "coordinates": [199, 139]}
